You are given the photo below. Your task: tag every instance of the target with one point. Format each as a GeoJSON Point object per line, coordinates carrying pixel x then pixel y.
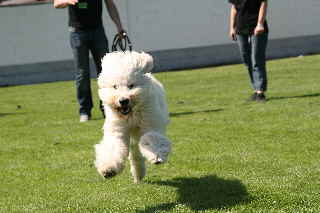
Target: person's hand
{"type": "Point", "coordinates": [233, 34]}
{"type": "Point", "coordinates": [64, 3]}
{"type": "Point", "coordinates": [259, 29]}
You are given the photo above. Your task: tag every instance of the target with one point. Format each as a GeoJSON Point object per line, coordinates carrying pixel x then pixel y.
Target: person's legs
{"type": "Point", "coordinates": [99, 47]}
{"type": "Point", "coordinates": [78, 41]}
{"type": "Point", "coordinates": [245, 53]}
{"type": "Point", "coordinates": [259, 74]}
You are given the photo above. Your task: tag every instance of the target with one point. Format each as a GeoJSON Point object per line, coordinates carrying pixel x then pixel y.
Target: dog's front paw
{"type": "Point", "coordinates": [155, 147]}
{"type": "Point", "coordinates": [157, 160]}
{"type": "Point", "coordinates": [108, 174]}
{"type": "Point", "coordinates": [110, 159]}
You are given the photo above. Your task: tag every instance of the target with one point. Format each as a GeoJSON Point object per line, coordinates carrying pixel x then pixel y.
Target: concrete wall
{"type": "Point", "coordinates": [179, 34]}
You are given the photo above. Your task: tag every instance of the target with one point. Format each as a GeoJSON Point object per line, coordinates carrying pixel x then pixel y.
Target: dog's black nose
{"type": "Point", "coordinates": [124, 101]}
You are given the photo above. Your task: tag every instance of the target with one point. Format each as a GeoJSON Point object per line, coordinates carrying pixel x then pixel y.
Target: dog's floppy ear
{"type": "Point", "coordinates": [146, 62]}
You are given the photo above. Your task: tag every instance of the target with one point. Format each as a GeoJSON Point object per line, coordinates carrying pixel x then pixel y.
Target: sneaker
{"type": "Point", "coordinates": [261, 97]}
{"type": "Point", "coordinates": [253, 97]}
{"type": "Point", "coordinates": [84, 118]}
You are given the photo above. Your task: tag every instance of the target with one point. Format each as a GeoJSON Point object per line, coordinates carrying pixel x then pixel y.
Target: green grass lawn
{"type": "Point", "coordinates": [229, 155]}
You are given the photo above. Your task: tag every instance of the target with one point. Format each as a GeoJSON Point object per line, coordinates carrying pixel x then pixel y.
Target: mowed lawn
{"type": "Point", "coordinates": [229, 155]}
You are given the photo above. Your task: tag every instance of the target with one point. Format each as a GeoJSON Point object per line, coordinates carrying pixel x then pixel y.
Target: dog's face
{"type": "Point", "coordinates": [123, 93]}
{"type": "Point", "coordinates": [122, 83]}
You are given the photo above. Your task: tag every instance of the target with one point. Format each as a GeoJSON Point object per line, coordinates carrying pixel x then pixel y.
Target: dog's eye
{"type": "Point", "coordinates": [130, 86]}
{"type": "Point", "coordinates": [115, 87]}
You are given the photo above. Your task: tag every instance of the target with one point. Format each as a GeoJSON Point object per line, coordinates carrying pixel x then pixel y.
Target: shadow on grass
{"type": "Point", "coordinates": [172, 114]}
{"type": "Point", "coordinates": [297, 96]}
{"type": "Point", "coordinates": [205, 193]}
{"type": "Point", "coordinates": [11, 113]}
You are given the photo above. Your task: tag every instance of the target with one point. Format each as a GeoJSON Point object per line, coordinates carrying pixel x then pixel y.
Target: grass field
{"type": "Point", "coordinates": [229, 155]}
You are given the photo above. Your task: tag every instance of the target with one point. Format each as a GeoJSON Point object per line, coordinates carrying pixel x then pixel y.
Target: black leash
{"type": "Point", "coordinates": [121, 41]}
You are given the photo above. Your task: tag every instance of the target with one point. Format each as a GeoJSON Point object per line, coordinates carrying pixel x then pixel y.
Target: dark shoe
{"type": "Point", "coordinates": [261, 97]}
{"type": "Point", "coordinates": [253, 97]}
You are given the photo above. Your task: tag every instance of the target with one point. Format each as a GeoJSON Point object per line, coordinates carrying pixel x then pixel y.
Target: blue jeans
{"type": "Point", "coordinates": [253, 53]}
{"type": "Point", "coordinates": [82, 42]}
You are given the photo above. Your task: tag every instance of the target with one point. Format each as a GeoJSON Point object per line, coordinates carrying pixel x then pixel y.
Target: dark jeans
{"type": "Point", "coordinates": [253, 54]}
{"type": "Point", "coordinates": [82, 42]}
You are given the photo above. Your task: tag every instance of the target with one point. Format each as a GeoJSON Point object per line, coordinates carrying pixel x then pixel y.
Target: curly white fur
{"type": "Point", "coordinates": [136, 115]}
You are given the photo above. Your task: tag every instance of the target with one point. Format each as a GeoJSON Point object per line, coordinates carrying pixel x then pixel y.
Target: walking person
{"type": "Point", "coordinates": [248, 26]}
{"type": "Point", "coordinates": [87, 35]}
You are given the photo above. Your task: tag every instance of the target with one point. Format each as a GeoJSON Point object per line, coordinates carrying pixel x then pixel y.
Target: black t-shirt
{"type": "Point", "coordinates": [86, 14]}
{"type": "Point", "coordinates": [247, 15]}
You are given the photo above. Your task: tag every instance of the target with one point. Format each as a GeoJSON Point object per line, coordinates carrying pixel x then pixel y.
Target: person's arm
{"type": "Point", "coordinates": [262, 17]}
{"type": "Point", "coordinates": [114, 15]}
{"type": "Point", "coordinates": [20, 2]}
{"type": "Point", "coordinates": [233, 15]}
{"type": "Point", "coordinates": [63, 3]}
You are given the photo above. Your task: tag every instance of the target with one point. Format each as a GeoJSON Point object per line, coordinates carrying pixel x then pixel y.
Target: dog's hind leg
{"type": "Point", "coordinates": [137, 162]}
{"type": "Point", "coordinates": [155, 147]}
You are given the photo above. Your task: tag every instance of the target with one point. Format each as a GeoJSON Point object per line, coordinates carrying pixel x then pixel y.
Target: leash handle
{"type": "Point", "coordinates": [122, 41]}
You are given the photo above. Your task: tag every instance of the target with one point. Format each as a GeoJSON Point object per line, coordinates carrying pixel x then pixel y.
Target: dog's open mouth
{"type": "Point", "coordinates": [124, 110]}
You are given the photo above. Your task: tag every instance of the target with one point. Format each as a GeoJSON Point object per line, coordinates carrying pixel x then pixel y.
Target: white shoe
{"type": "Point", "coordinates": [84, 118]}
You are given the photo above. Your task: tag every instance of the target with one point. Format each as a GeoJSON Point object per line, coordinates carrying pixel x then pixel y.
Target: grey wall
{"type": "Point", "coordinates": [34, 45]}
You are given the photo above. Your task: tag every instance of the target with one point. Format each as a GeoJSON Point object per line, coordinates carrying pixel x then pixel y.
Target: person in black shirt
{"type": "Point", "coordinates": [87, 35]}
{"type": "Point", "coordinates": [249, 27]}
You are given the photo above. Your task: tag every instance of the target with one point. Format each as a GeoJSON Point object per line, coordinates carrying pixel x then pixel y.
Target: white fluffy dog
{"type": "Point", "coordinates": [136, 115]}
